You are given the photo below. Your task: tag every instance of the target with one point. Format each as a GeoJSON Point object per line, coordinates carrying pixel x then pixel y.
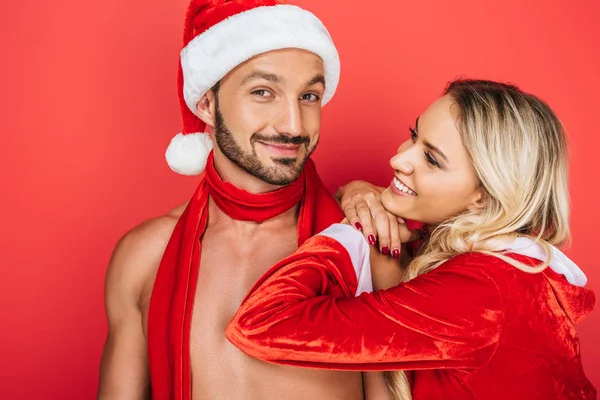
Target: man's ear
{"type": "Point", "coordinates": [207, 108]}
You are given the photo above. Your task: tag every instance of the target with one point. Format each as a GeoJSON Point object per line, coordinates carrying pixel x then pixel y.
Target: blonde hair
{"type": "Point", "coordinates": [518, 148]}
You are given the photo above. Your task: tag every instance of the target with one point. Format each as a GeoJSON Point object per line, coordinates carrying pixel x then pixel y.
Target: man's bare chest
{"type": "Point", "coordinates": [230, 265]}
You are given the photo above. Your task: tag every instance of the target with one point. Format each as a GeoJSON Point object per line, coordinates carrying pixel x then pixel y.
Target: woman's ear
{"type": "Point", "coordinates": [478, 201]}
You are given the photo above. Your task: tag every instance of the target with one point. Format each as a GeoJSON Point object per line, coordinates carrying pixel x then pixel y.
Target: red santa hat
{"type": "Point", "coordinates": [220, 35]}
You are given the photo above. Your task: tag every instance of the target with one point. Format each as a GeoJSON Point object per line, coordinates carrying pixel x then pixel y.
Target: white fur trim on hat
{"type": "Point", "coordinates": [213, 54]}
{"type": "Point", "coordinates": [187, 154]}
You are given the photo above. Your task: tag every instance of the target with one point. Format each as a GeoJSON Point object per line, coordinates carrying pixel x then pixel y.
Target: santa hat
{"type": "Point", "coordinates": [219, 35]}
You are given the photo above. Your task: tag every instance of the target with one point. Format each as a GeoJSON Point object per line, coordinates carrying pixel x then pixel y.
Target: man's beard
{"type": "Point", "coordinates": [285, 171]}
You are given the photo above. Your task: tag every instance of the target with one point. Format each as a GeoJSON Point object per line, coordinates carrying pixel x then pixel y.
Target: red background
{"type": "Point", "coordinates": [89, 105]}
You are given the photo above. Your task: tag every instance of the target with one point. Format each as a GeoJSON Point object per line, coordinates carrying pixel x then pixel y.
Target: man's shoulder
{"type": "Point", "coordinates": [151, 234]}
{"type": "Point", "coordinates": [138, 253]}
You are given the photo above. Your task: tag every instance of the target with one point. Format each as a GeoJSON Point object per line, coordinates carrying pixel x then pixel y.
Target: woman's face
{"type": "Point", "coordinates": [434, 178]}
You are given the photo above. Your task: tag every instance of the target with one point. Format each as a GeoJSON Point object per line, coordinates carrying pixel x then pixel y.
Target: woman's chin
{"type": "Point", "coordinates": [397, 205]}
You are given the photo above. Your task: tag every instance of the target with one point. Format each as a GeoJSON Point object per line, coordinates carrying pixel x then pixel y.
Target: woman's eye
{"type": "Point", "coordinates": [413, 134]}
{"type": "Point", "coordinates": [431, 160]}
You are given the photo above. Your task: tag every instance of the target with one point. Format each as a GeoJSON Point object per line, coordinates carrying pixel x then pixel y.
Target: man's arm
{"type": "Point", "coordinates": [124, 370]}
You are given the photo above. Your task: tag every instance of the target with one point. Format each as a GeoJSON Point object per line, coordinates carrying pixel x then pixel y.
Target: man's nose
{"type": "Point", "coordinates": [290, 121]}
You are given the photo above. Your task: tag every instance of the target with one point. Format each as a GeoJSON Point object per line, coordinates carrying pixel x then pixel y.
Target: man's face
{"type": "Point", "coordinates": [268, 114]}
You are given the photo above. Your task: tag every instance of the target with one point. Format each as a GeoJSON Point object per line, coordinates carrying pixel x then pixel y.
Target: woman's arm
{"type": "Point", "coordinates": [375, 387]}
{"type": "Point", "coordinates": [302, 313]}
{"type": "Point", "coordinates": [386, 272]}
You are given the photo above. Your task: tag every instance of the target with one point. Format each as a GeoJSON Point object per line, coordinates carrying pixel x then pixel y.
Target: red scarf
{"type": "Point", "coordinates": [171, 306]}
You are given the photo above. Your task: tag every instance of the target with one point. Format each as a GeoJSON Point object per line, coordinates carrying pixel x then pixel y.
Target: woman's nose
{"type": "Point", "coordinates": [400, 162]}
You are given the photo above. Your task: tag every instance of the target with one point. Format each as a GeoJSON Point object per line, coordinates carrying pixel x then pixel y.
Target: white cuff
{"type": "Point", "coordinates": [357, 247]}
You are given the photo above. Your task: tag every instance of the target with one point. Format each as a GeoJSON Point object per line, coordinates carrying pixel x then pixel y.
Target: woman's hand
{"type": "Point", "coordinates": [361, 203]}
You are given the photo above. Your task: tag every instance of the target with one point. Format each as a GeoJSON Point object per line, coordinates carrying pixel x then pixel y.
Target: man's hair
{"type": "Point", "coordinates": [215, 88]}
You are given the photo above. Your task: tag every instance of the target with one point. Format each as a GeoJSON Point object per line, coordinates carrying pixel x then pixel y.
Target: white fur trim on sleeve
{"type": "Point", "coordinates": [214, 53]}
{"type": "Point", "coordinates": [187, 154]}
{"type": "Point", "coordinates": [358, 249]}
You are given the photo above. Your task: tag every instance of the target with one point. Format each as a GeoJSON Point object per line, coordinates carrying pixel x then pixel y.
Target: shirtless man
{"type": "Point", "coordinates": [257, 74]}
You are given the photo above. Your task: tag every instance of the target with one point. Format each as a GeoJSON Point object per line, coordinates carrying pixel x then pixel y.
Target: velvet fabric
{"type": "Point", "coordinates": [474, 328]}
{"type": "Point", "coordinates": [169, 321]}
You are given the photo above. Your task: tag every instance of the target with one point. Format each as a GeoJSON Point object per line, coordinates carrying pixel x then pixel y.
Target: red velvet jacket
{"type": "Point", "coordinates": [474, 328]}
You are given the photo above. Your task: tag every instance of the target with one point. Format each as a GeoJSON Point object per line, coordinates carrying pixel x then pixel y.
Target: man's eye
{"type": "Point", "coordinates": [310, 97]}
{"type": "Point", "coordinates": [262, 93]}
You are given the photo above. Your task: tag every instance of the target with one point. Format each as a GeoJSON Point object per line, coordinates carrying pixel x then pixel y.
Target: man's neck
{"type": "Point", "coordinates": [219, 219]}
{"type": "Point", "coordinates": [230, 172]}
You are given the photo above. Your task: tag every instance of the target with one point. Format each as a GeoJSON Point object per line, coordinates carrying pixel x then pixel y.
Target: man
{"type": "Point", "coordinates": [256, 73]}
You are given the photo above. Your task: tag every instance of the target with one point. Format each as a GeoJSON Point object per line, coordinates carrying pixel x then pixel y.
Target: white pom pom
{"type": "Point", "coordinates": [187, 154]}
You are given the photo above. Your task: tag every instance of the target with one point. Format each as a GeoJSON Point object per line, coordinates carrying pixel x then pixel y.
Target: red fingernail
{"type": "Point", "coordinates": [358, 226]}
{"type": "Point", "coordinates": [396, 254]}
{"type": "Point", "coordinates": [385, 250]}
{"type": "Point", "coordinates": [371, 239]}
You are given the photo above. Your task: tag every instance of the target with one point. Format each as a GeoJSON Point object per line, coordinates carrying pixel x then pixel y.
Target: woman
{"type": "Point", "coordinates": [488, 306]}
